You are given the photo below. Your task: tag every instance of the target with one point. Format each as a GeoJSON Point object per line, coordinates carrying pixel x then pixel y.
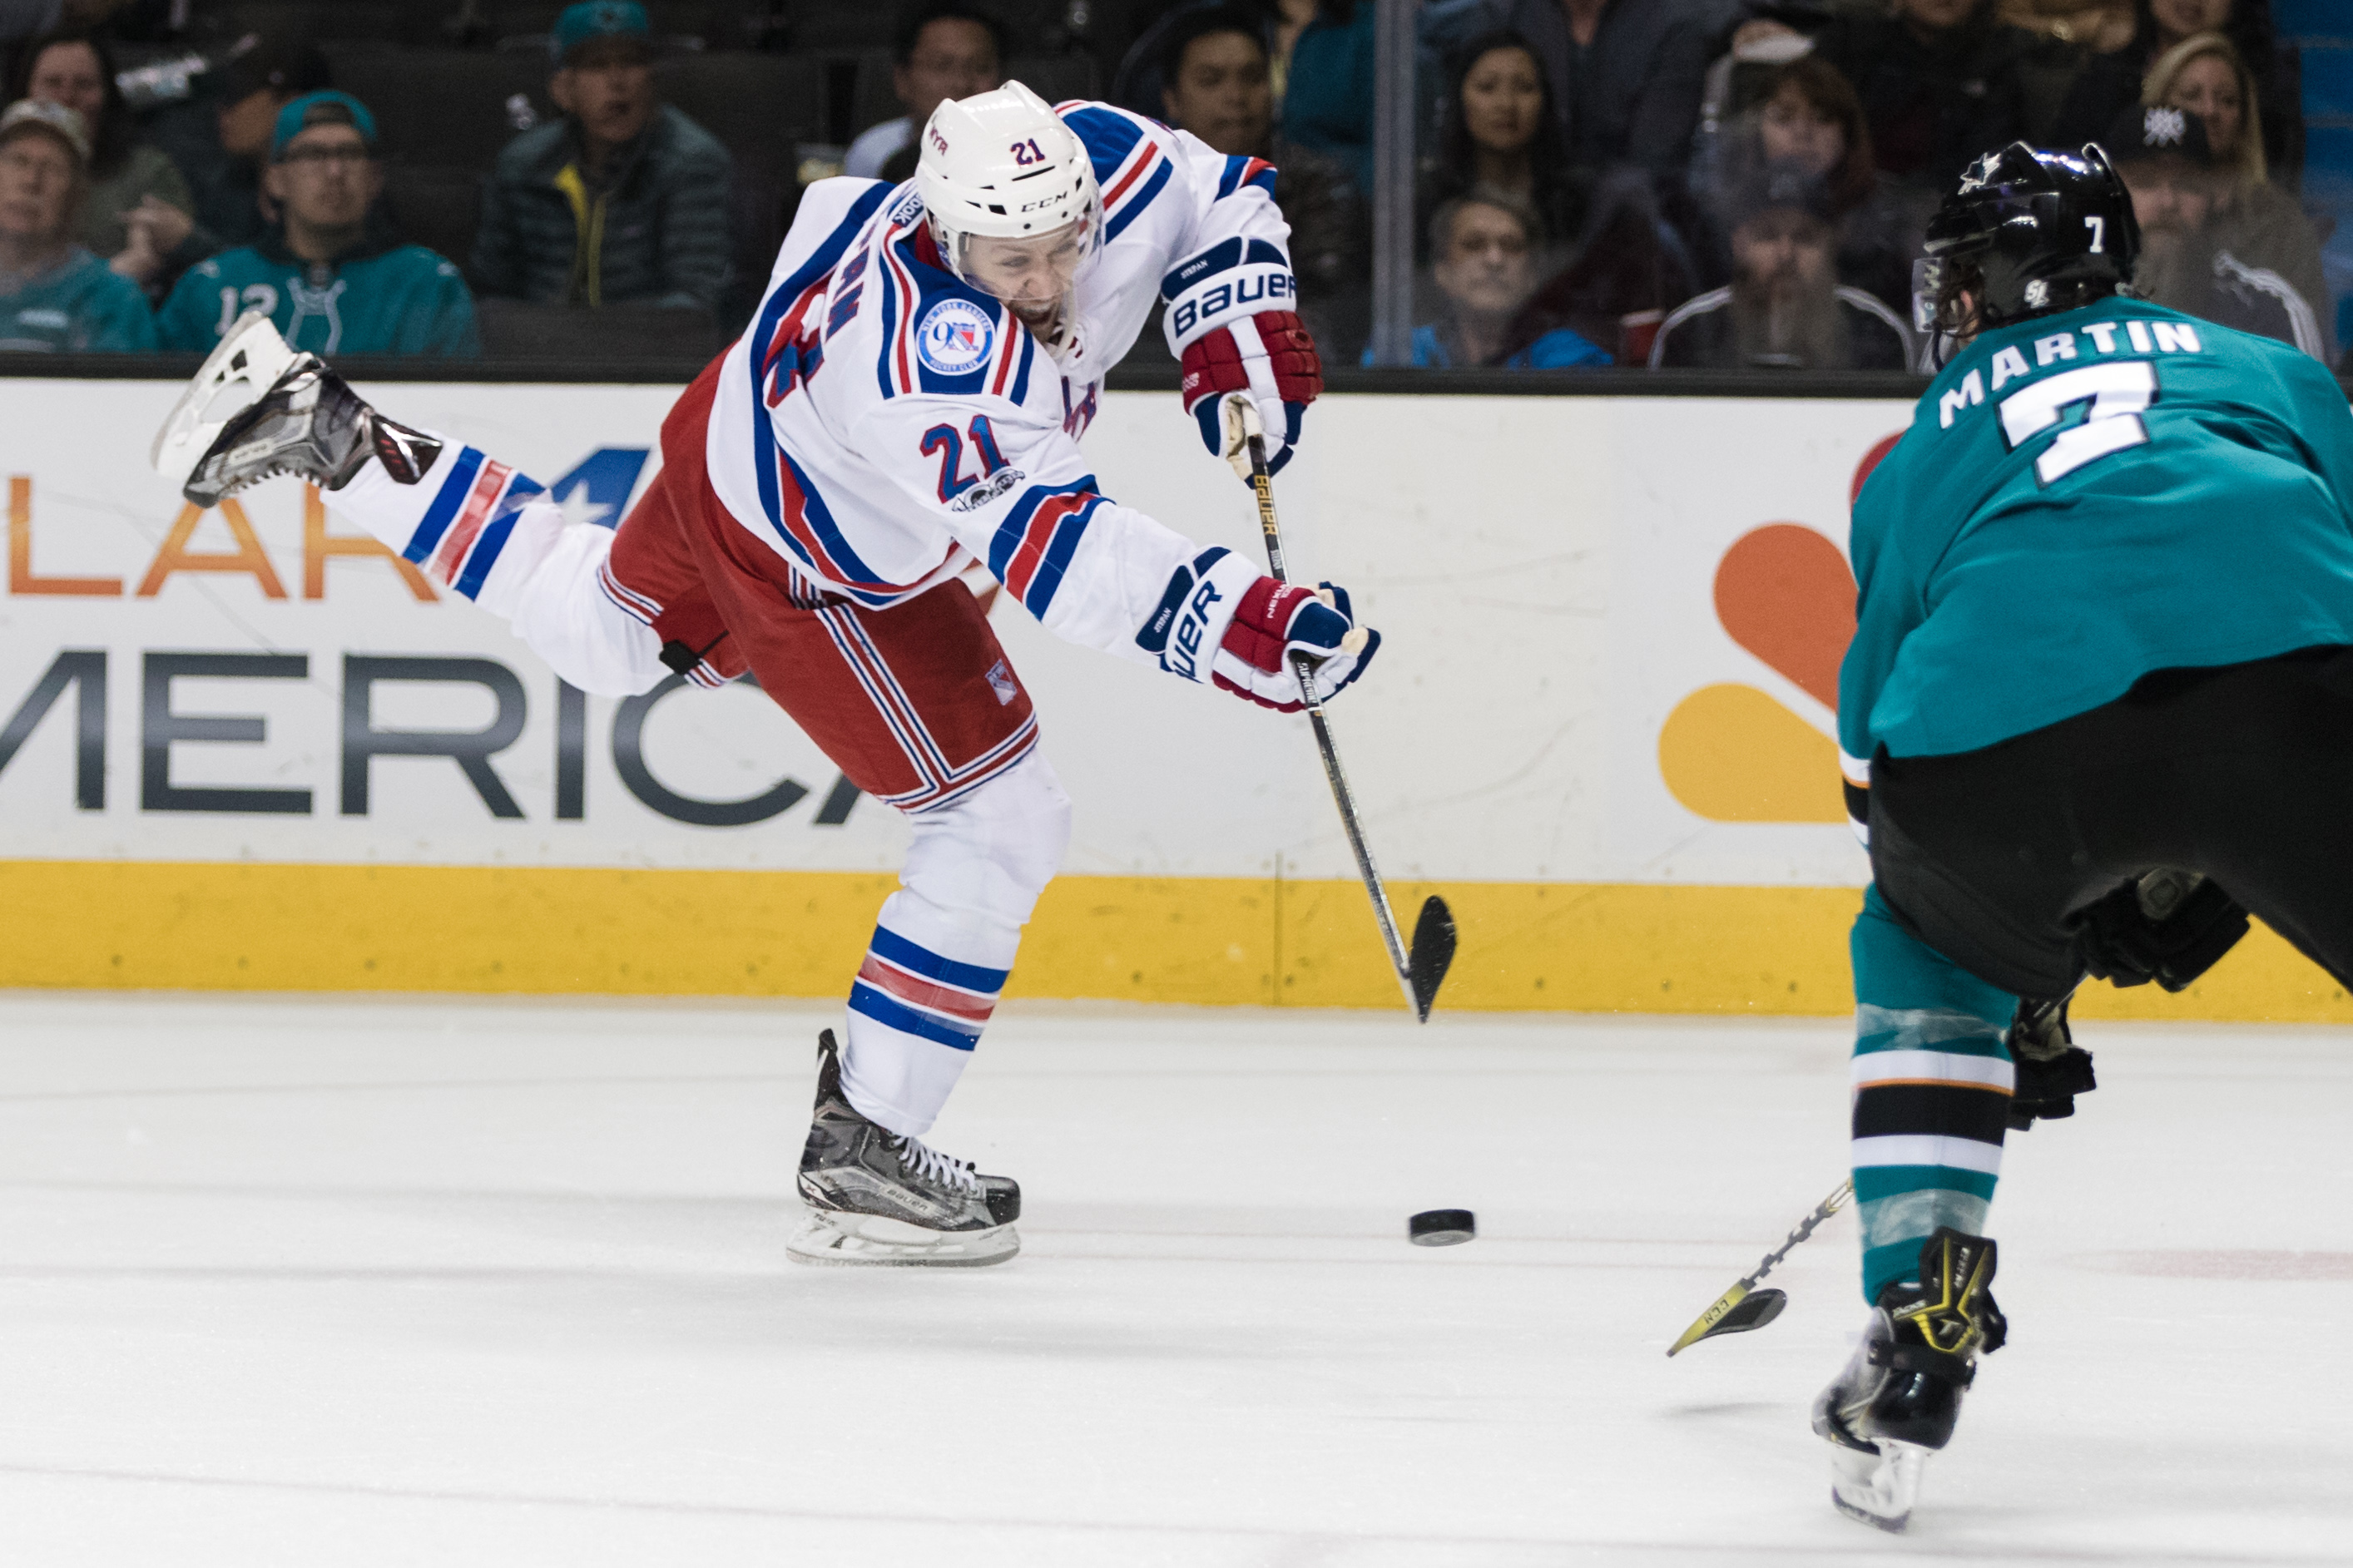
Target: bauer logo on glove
{"type": "Point", "coordinates": [1227, 327]}
{"type": "Point", "coordinates": [1220, 623]}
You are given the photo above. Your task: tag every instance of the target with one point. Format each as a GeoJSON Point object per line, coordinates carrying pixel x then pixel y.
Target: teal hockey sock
{"type": "Point", "coordinates": [1932, 1082]}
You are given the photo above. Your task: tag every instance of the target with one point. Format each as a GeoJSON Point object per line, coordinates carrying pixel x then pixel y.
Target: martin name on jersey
{"type": "Point", "coordinates": [883, 423]}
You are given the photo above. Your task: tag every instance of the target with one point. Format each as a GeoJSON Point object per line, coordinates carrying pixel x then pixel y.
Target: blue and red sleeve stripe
{"type": "Point", "coordinates": [1108, 136]}
{"type": "Point", "coordinates": [1131, 167]}
{"type": "Point", "coordinates": [1033, 546]}
{"type": "Point", "coordinates": [1241, 172]}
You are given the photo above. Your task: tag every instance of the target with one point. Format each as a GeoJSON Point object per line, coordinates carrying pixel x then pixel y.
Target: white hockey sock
{"type": "Point", "coordinates": [455, 524]}
{"type": "Point", "coordinates": [947, 941]}
{"type": "Point", "coordinates": [929, 984]}
{"type": "Point", "coordinates": [478, 526]}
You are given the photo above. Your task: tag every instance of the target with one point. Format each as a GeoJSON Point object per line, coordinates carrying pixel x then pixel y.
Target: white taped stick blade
{"type": "Point", "coordinates": [243, 368]}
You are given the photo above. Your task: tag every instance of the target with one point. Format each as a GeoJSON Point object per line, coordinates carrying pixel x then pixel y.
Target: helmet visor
{"type": "Point", "coordinates": [1035, 269]}
{"type": "Point", "coordinates": [1947, 294]}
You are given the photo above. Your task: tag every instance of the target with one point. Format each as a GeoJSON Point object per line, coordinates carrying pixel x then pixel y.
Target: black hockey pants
{"type": "Point", "coordinates": [2244, 773]}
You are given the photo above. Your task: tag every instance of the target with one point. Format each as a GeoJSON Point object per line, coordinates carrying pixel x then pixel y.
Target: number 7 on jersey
{"type": "Point", "coordinates": [2118, 392]}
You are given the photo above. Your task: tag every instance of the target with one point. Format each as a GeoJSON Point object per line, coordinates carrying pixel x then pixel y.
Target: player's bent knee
{"type": "Point", "coordinates": [557, 605]}
{"type": "Point", "coordinates": [597, 649]}
{"type": "Point", "coordinates": [993, 852]}
{"type": "Point", "coordinates": [1030, 814]}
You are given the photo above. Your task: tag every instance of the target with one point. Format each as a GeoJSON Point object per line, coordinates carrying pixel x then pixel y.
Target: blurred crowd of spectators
{"type": "Point", "coordinates": [1718, 184]}
{"type": "Point", "coordinates": [1745, 183]}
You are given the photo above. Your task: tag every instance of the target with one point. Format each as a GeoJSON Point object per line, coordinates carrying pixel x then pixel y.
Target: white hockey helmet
{"type": "Point", "coordinates": [1001, 164]}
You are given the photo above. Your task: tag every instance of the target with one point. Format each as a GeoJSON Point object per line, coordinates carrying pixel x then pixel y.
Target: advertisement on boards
{"type": "Point", "coordinates": [1611, 632]}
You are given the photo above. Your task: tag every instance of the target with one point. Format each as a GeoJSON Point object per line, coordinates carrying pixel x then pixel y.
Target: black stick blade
{"type": "Point", "coordinates": [1432, 953]}
{"type": "Point", "coordinates": [1737, 1312]}
{"type": "Point", "coordinates": [1754, 1312]}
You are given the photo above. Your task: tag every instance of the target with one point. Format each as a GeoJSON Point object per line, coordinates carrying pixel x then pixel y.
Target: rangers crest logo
{"type": "Point", "coordinates": [2164, 128]}
{"type": "Point", "coordinates": [955, 337]}
{"type": "Point", "coordinates": [1000, 681]}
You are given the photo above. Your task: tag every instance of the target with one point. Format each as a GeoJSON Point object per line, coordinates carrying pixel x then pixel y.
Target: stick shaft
{"type": "Point", "coordinates": [1704, 1326]}
{"type": "Point", "coordinates": [1263, 487]}
{"type": "Point", "coordinates": [1822, 1211]}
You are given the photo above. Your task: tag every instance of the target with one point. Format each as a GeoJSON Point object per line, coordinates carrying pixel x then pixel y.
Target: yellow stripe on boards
{"type": "Point", "coordinates": [1525, 946]}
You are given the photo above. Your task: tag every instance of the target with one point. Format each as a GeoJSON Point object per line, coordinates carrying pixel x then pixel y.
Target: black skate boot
{"type": "Point", "coordinates": [1897, 1400]}
{"type": "Point", "coordinates": [258, 409]}
{"type": "Point", "coordinates": [877, 1197]}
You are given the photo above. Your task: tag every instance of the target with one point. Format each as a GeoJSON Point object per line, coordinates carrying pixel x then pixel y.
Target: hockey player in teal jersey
{"type": "Point", "coordinates": [331, 276]}
{"type": "Point", "coordinates": [2098, 707]}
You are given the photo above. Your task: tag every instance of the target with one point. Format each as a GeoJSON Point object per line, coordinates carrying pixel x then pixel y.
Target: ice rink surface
{"type": "Point", "coordinates": [340, 1284]}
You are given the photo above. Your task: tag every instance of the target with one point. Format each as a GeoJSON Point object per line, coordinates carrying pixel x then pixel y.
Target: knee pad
{"type": "Point", "coordinates": [993, 852]}
{"type": "Point", "coordinates": [1023, 822]}
{"type": "Point", "coordinates": [547, 586]}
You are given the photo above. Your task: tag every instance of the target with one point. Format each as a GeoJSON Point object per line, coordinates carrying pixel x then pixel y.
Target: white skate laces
{"type": "Point", "coordinates": [919, 1159]}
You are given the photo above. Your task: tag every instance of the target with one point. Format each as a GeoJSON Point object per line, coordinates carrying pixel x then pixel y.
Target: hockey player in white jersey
{"type": "Point", "coordinates": [907, 401]}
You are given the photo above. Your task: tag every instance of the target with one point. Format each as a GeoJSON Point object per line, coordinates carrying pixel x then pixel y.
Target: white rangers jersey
{"type": "Point", "coordinates": [882, 424]}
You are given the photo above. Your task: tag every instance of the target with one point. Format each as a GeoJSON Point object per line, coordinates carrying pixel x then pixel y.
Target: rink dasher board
{"type": "Point", "coordinates": [1545, 573]}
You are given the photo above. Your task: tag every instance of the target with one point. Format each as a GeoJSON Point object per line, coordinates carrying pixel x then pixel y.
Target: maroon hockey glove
{"type": "Point", "coordinates": [1268, 358]}
{"type": "Point", "coordinates": [1274, 622]}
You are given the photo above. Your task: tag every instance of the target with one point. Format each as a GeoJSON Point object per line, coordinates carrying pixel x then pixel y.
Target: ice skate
{"type": "Point", "coordinates": [1897, 1401]}
{"type": "Point", "coordinates": [258, 409]}
{"type": "Point", "coordinates": [878, 1198]}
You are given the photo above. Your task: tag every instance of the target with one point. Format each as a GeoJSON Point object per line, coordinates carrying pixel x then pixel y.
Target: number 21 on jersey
{"type": "Point", "coordinates": [943, 440]}
{"type": "Point", "coordinates": [2119, 393]}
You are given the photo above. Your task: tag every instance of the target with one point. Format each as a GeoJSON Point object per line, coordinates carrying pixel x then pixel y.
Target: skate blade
{"type": "Point", "coordinates": [1879, 1489]}
{"type": "Point", "coordinates": [829, 1238]}
{"type": "Point", "coordinates": [245, 365]}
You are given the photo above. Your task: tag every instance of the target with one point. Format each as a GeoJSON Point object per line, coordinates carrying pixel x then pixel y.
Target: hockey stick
{"type": "Point", "coordinates": [1421, 971]}
{"type": "Point", "coordinates": [1743, 1307]}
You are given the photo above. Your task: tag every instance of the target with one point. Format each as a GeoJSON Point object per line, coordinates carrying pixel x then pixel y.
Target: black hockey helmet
{"type": "Point", "coordinates": [2030, 232]}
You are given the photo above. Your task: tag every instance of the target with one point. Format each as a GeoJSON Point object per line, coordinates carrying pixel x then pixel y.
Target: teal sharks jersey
{"type": "Point", "coordinates": [78, 306]}
{"type": "Point", "coordinates": [2083, 498]}
{"type": "Point", "coordinates": [403, 300]}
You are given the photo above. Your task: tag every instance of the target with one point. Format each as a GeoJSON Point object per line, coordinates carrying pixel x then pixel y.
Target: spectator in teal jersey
{"type": "Point", "coordinates": [331, 275]}
{"type": "Point", "coordinates": [55, 296]}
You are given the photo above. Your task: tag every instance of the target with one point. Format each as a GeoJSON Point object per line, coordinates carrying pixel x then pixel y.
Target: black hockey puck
{"type": "Point", "coordinates": [1441, 1227]}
